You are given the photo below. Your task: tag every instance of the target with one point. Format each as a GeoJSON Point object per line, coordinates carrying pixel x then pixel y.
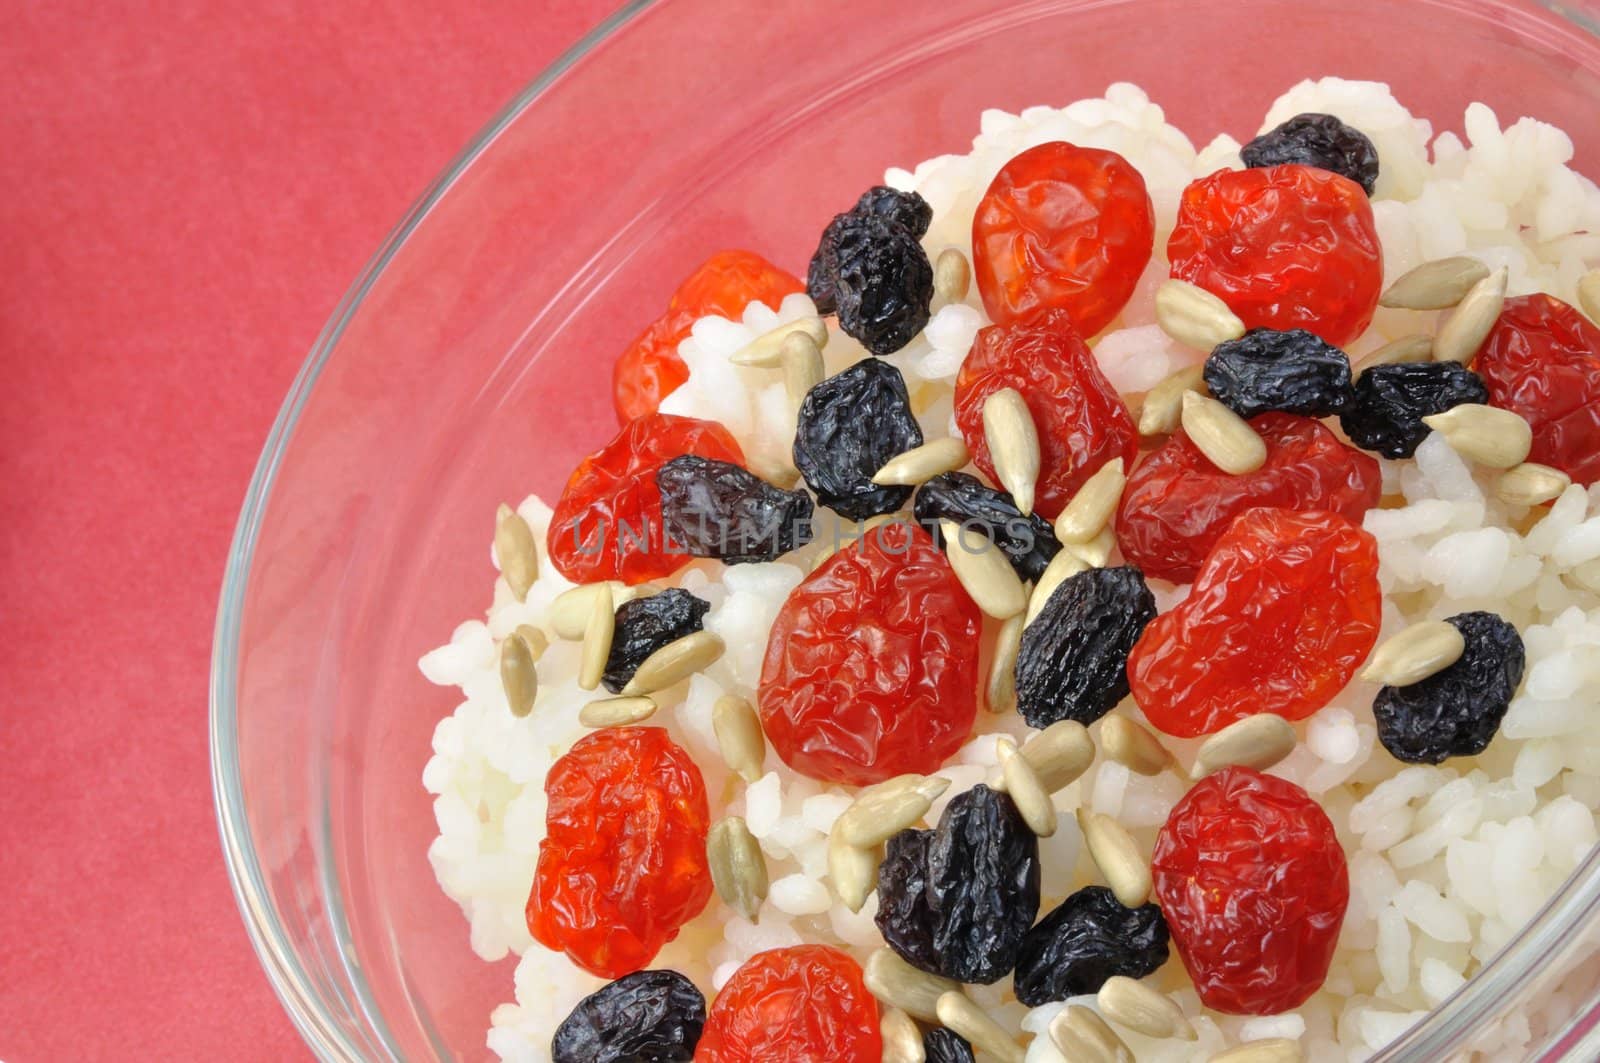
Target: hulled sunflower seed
{"type": "Point", "coordinates": [1117, 856]}
{"type": "Point", "coordinates": [518, 675]}
{"type": "Point", "coordinates": [902, 1040]}
{"type": "Point", "coordinates": [1435, 285]}
{"type": "Point", "coordinates": [952, 276]}
{"type": "Point", "coordinates": [920, 464]}
{"type": "Point", "coordinates": [1013, 445]}
{"type": "Point", "coordinates": [898, 984]}
{"type": "Point", "coordinates": [537, 641]}
{"type": "Point", "coordinates": [1418, 347]}
{"type": "Point", "coordinates": [739, 736]}
{"type": "Point", "coordinates": [597, 636]}
{"type": "Point", "coordinates": [1460, 337]}
{"type": "Point", "coordinates": [887, 808]}
{"type": "Point", "coordinates": [738, 869]}
{"type": "Point", "coordinates": [957, 1012]}
{"type": "Point", "coordinates": [516, 551]}
{"type": "Point", "coordinates": [1097, 551]}
{"type": "Point", "coordinates": [617, 712]}
{"type": "Point", "coordinates": [1485, 435]}
{"type": "Point", "coordinates": [766, 350]}
{"type": "Point", "coordinates": [1589, 294]}
{"type": "Point", "coordinates": [675, 662]}
{"type": "Point", "coordinates": [1083, 1037]}
{"type": "Point", "coordinates": [854, 871]}
{"type": "Point", "coordinates": [1000, 693]}
{"type": "Point", "coordinates": [1421, 650]}
{"type": "Point", "coordinates": [569, 613]}
{"type": "Point", "coordinates": [1163, 404]}
{"type": "Point", "coordinates": [802, 365]}
{"type": "Point", "coordinates": [1194, 317]}
{"type": "Point", "coordinates": [1142, 1009]}
{"type": "Point", "coordinates": [1134, 746]}
{"type": "Point", "coordinates": [984, 572]}
{"type": "Point", "coordinates": [1268, 1050]}
{"type": "Point", "coordinates": [1531, 484]}
{"type": "Point", "coordinates": [1059, 754]}
{"type": "Point", "coordinates": [1092, 508]}
{"type": "Point", "coordinates": [1027, 792]}
{"type": "Point", "coordinates": [1225, 438]}
{"type": "Point", "coordinates": [1258, 742]}
{"type": "Point", "coordinates": [1065, 564]}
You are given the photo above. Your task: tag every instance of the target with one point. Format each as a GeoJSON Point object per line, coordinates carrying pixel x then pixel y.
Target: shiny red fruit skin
{"type": "Point", "coordinates": [724, 284]}
{"type": "Point", "coordinates": [1542, 361]}
{"type": "Point", "coordinates": [623, 863]}
{"type": "Point", "coordinates": [1065, 228]}
{"type": "Point", "coordinates": [607, 523]}
{"type": "Point", "coordinates": [1284, 611]}
{"type": "Point", "coordinates": [871, 668]}
{"type": "Point", "coordinates": [1177, 503]}
{"type": "Point", "coordinates": [1285, 247]}
{"type": "Point", "coordinates": [1081, 420]}
{"type": "Point", "coordinates": [806, 1004]}
{"type": "Point", "coordinates": [1253, 884]}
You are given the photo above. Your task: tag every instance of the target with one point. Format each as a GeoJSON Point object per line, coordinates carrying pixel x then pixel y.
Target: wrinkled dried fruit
{"type": "Point", "coordinates": [945, 1046]}
{"type": "Point", "coordinates": [648, 1015]}
{"type": "Point", "coordinates": [849, 426]}
{"type": "Point", "coordinates": [1254, 886]}
{"type": "Point", "coordinates": [717, 509]}
{"type": "Point", "coordinates": [1028, 542]}
{"type": "Point", "coordinates": [1290, 372]}
{"type": "Point", "coordinates": [871, 270]}
{"type": "Point", "coordinates": [1455, 712]}
{"type": "Point", "coordinates": [906, 209]}
{"type": "Point", "coordinates": [1073, 664]}
{"type": "Point", "coordinates": [644, 625]}
{"type": "Point", "coordinates": [1391, 401]}
{"type": "Point", "coordinates": [1284, 611]}
{"type": "Point", "coordinates": [1085, 941]}
{"type": "Point", "coordinates": [1319, 140]}
{"type": "Point", "coordinates": [794, 1005]}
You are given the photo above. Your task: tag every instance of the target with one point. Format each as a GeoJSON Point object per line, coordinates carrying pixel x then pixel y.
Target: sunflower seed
{"type": "Point", "coordinates": [517, 674]}
{"type": "Point", "coordinates": [1589, 294]}
{"type": "Point", "coordinates": [537, 641]}
{"type": "Point", "coordinates": [569, 613]}
{"type": "Point", "coordinates": [1097, 551]}
{"type": "Point", "coordinates": [902, 1040]}
{"type": "Point", "coordinates": [1000, 695]}
{"type": "Point", "coordinates": [898, 984]}
{"type": "Point", "coordinates": [985, 573]}
{"type": "Point", "coordinates": [739, 736]}
{"type": "Point", "coordinates": [921, 464]}
{"type": "Point", "coordinates": [1059, 754]}
{"type": "Point", "coordinates": [1027, 792]}
{"type": "Point", "coordinates": [854, 872]}
{"type": "Point", "coordinates": [675, 662]}
{"type": "Point", "coordinates": [1064, 565]}
{"type": "Point", "coordinates": [1143, 1010]}
{"type": "Point", "coordinates": [1013, 445]}
{"type": "Point", "coordinates": [1194, 317]}
{"type": "Point", "coordinates": [888, 808]}
{"type": "Point", "coordinates": [1083, 1037]}
{"type": "Point", "coordinates": [1117, 856]}
{"type": "Point", "coordinates": [802, 365]}
{"type": "Point", "coordinates": [1094, 504]}
{"type": "Point", "coordinates": [738, 870]}
{"type": "Point", "coordinates": [766, 350]}
{"type": "Point", "coordinates": [516, 551]}
{"type": "Point", "coordinates": [957, 1012]}
{"type": "Point", "coordinates": [1268, 1050]}
{"type": "Point", "coordinates": [1134, 746]}
{"type": "Point", "coordinates": [1258, 742]}
{"type": "Point", "coordinates": [1163, 404]}
{"type": "Point", "coordinates": [616, 712]}
{"type": "Point", "coordinates": [1487, 435]}
{"type": "Point", "coordinates": [597, 636]}
{"type": "Point", "coordinates": [1435, 285]}
{"type": "Point", "coordinates": [777, 472]}
{"type": "Point", "coordinates": [1531, 484]}
{"type": "Point", "coordinates": [1222, 435]}
{"type": "Point", "coordinates": [1460, 337]}
{"type": "Point", "coordinates": [952, 276]}
{"type": "Point", "coordinates": [1417, 347]}
{"type": "Point", "coordinates": [1421, 650]}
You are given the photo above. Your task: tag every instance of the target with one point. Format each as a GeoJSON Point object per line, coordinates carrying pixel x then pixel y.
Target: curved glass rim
{"type": "Point", "coordinates": [1576, 904]}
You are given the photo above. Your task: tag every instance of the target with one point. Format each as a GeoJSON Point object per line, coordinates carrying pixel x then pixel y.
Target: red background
{"type": "Point", "coordinates": [187, 190]}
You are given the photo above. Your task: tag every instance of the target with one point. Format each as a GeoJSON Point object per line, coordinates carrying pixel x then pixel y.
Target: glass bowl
{"type": "Point", "coordinates": [470, 364]}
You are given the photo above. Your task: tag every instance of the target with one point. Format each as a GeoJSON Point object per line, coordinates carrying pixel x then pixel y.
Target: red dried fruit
{"type": "Point", "coordinates": [1542, 361]}
{"type": "Point", "coordinates": [1081, 421]}
{"type": "Point", "coordinates": [1285, 247]}
{"type": "Point", "coordinates": [650, 369]}
{"type": "Point", "coordinates": [870, 669]}
{"type": "Point", "coordinates": [623, 862]}
{"type": "Point", "coordinates": [1254, 886]}
{"type": "Point", "coordinates": [1062, 227]}
{"type": "Point", "coordinates": [1284, 611]}
{"type": "Point", "coordinates": [1177, 503]}
{"type": "Point", "coordinates": [806, 1004]}
{"type": "Point", "coordinates": [607, 523]}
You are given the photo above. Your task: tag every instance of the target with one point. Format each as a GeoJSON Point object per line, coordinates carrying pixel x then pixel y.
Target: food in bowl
{"type": "Point", "coordinates": [1120, 597]}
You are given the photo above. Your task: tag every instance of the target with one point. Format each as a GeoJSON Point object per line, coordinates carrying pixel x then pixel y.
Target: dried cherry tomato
{"type": "Point", "coordinates": [804, 1004]}
{"type": "Point", "coordinates": [1254, 886]}
{"type": "Point", "coordinates": [1542, 361]}
{"type": "Point", "coordinates": [623, 862]}
{"type": "Point", "coordinates": [1065, 228]}
{"type": "Point", "coordinates": [870, 669]}
{"type": "Point", "coordinates": [1284, 611]}
{"type": "Point", "coordinates": [1081, 420]}
{"type": "Point", "coordinates": [1285, 247]}
{"type": "Point", "coordinates": [608, 522]}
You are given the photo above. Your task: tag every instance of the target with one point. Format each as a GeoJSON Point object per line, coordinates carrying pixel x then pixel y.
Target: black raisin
{"type": "Point", "coordinates": [644, 625]}
{"type": "Point", "coordinates": [906, 209]}
{"type": "Point", "coordinates": [884, 285]}
{"type": "Point", "coordinates": [1392, 400]}
{"type": "Point", "coordinates": [1087, 940]}
{"type": "Point", "coordinates": [1028, 542]}
{"type": "Point", "coordinates": [940, 1045]}
{"type": "Point", "coordinates": [716, 509]}
{"type": "Point", "coordinates": [1319, 140]}
{"type": "Point", "coordinates": [1073, 662]}
{"type": "Point", "coordinates": [957, 900]}
{"type": "Point", "coordinates": [1455, 712]}
{"type": "Point", "coordinates": [1292, 372]}
{"type": "Point", "coordinates": [644, 1017]}
{"type": "Point", "coordinates": [850, 425]}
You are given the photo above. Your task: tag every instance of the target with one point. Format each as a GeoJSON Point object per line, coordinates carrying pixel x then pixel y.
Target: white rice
{"type": "Point", "coordinates": [1445, 862]}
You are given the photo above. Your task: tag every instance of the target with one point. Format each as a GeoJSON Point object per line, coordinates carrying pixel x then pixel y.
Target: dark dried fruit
{"type": "Point", "coordinates": [850, 425]}
{"type": "Point", "coordinates": [644, 625]}
{"type": "Point", "coordinates": [1392, 400]}
{"type": "Point", "coordinates": [718, 509]}
{"type": "Point", "coordinates": [1290, 372]}
{"type": "Point", "coordinates": [644, 1017]}
{"type": "Point", "coordinates": [1088, 939]}
{"type": "Point", "coordinates": [1456, 712]}
{"type": "Point", "coordinates": [1319, 140]}
{"type": "Point", "coordinates": [906, 209]}
{"type": "Point", "coordinates": [1028, 542]}
{"type": "Point", "coordinates": [1073, 664]}
{"type": "Point", "coordinates": [940, 1045]}
{"type": "Point", "coordinates": [884, 284]}
{"type": "Point", "coordinates": [957, 900]}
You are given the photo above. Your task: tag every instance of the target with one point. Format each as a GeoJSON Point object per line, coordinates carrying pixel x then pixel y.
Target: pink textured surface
{"type": "Point", "coordinates": [187, 193]}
